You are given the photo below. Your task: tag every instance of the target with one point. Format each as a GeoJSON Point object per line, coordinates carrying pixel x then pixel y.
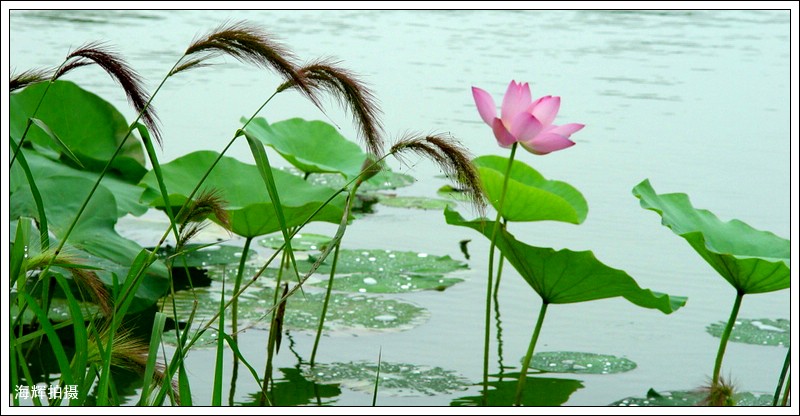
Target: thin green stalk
{"type": "Point", "coordinates": [235, 316]}
{"type": "Point", "coordinates": [36, 110]}
{"type": "Point", "coordinates": [328, 291]}
{"type": "Point", "coordinates": [487, 319]}
{"type": "Point", "coordinates": [782, 377]}
{"type": "Point", "coordinates": [724, 340]}
{"type": "Point", "coordinates": [523, 375]}
{"type": "Point", "coordinates": [216, 395]}
{"type": "Point", "coordinates": [785, 400]}
{"type": "Point", "coordinates": [499, 268]}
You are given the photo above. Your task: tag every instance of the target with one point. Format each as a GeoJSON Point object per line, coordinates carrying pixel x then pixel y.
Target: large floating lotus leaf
{"type": "Point", "coordinates": [382, 181]}
{"type": "Point", "coordinates": [691, 398]}
{"type": "Point", "coordinates": [58, 312]}
{"type": "Point", "coordinates": [756, 331]}
{"type": "Point", "coordinates": [416, 202]}
{"type": "Point", "coordinates": [752, 261]}
{"type": "Point", "coordinates": [94, 232]}
{"type": "Point", "coordinates": [241, 186]}
{"type": "Point", "coordinates": [580, 363]}
{"type": "Point", "coordinates": [311, 146]}
{"type": "Point", "coordinates": [293, 389]}
{"type": "Point", "coordinates": [539, 391]}
{"type": "Point", "coordinates": [387, 271]}
{"type": "Point", "coordinates": [567, 276]}
{"type": "Point", "coordinates": [126, 194]}
{"type": "Point", "coordinates": [395, 379]}
{"type": "Point", "coordinates": [88, 125]}
{"type": "Point", "coordinates": [530, 197]}
{"type": "Point", "coordinates": [194, 255]}
{"type": "Point", "coordinates": [300, 242]}
{"type": "Point", "coordinates": [346, 313]}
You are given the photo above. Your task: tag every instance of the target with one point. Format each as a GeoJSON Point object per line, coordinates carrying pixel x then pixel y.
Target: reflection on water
{"type": "Point", "coordinates": [539, 391]}
{"type": "Point", "coordinates": [694, 100]}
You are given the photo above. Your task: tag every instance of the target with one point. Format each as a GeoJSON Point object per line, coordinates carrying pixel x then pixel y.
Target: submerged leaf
{"type": "Point", "coordinates": [416, 202]}
{"type": "Point", "coordinates": [756, 331]}
{"type": "Point", "coordinates": [197, 255]}
{"type": "Point", "coordinates": [752, 261]}
{"type": "Point", "coordinates": [580, 363]}
{"type": "Point", "coordinates": [395, 379]}
{"type": "Point", "coordinates": [690, 398]}
{"type": "Point", "coordinates": [530, 197]}
{"type": "Point", "coordinates": [567, 276]}
{"type": "Point", "coordinates": [387, 271]}
{"type": "Point", "coordinates": [300, 242]}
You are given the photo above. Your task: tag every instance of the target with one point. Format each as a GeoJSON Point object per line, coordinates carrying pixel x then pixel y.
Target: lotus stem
{"type": "Point", "coordinates": [487, 318]}
{"type": "Point", "coordinates": [499, 269]}
{"type": "Point", "coordinates": [527, 361]}
{"type": "Point", "coordinates": [725, 335]}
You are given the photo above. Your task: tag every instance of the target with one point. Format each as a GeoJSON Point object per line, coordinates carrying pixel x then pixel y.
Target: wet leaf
{"type": "Point", "coordinates": [416, 202]}
{"type": "Point", "coordinates": [387, 271]}
{"type": "Point", "coordinates": [383, 181]}
{"type": "Point", "coordinates": [539, 391]}
{"type": "Point", "coordinates": [690, 398]}
{"type": "Point", "coordinates": [395, 379]}
{"type": "Point", "coordinates": [195, 255]}
{"type": "Point", "coordinates": [346, 313]}
{"type": "Point", "coordinates": [756, 331]}
{"type": "Point", "coordinates": [580, 363]}
{"type": "Point", "coordinates": [300, 242]}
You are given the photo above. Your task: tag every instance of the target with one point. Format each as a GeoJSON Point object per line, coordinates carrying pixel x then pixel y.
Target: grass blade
{"type": "Point", "coordinates": [52, 337]}
{"type": "Point", "coordinates": [155, 340]}
{"type": "Point", "coordinates": [377, 379]}
{"type": "Point", "coordinates": [44, 234]}
{"type": "Point", "coordinates": [235, 348]}
{"type": "Point", "coordinates": [57, 140]}
{"type": "Point", "coordinates": [216, 395]}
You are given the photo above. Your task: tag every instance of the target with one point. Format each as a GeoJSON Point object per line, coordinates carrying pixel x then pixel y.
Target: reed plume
{"type": "Point", "coordinates": [351, 93]}
{"type": "Point", "coordinates": [87, 281]}
{"type": "Point", "coordinates": [122, 73]}
{"type": "Point", "coordinates": [248, 44]}
{"type": "Point", "coordinates": [192, 221]}
{"type": "Point", "coordinates": [451, 157]}
{"type": "Point", "coordinates": [31, 76]}
{"type": "Point", "coordinates": [130, 353]}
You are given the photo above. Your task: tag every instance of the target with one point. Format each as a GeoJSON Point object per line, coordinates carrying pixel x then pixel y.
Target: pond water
{"type": "Point", "coordinates": [697, 101]}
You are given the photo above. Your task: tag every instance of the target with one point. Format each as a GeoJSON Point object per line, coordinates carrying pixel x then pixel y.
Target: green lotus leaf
{"type": "Point", "coordinates": [127, 195]}
{"type": "Point", "coordinates": [387, 271]}
{"type": "Point", "coordinates": [416, 202]}
{"type": "Point", "coordinates": [300, 242]}
{"type": "Point", "coordinates": [567, 276]}
{"type": "Point", "coordinates": [241, 187]}
{"type": "Point", "coordinates": [539, 391]}
{"type": "Point", "coordinates": [346, 313]}
{"type": "Point", "coordinates": [756, 331]}
{"type": "Point", "coordinates": [88, 125]}
{"type": "Point", "coordinates": [691, 398]}
{"type": "Point", "coordinates": [752, 261]}
{"type": "Point", "coordinates": [395, 379]}
{"type": "Point", "coordinates": [580, 363]}
{"type": "Point", "coordinates": [94, 233]}
{"type": "Point", "coordinates": [196, 255]}
{"type": "Point", "coordinates": [311, 146]}
{"type": "Point", "coordinates": [530, 197]}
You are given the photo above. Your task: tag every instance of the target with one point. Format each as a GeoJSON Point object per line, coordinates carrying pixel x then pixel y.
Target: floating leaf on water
{"type": "Point", "coordinates": [300, 242]}
{"type": "Point", "coordinates": [580, 362]}
{"type": "Point", "coordinates": [756, 331]}
{"type": "Point", "coordinates": [690, 398]}
{"type": "Point", "coordinates": [194, 256]}
{"type": "Point", "coordinates": [346, 313]}
{"type": "Point", "coordinates": [416, 202]}
{"type": "Point", "coordinates": [387, 271]}
{"type": "Point", "coordinates": [385, 180]}
{"type": "Point", "coordinates": [539, 391]}
{"type": "Point", "coordinates": [449, 192]}
{"type": "Point", "coordinates": [395, 379]}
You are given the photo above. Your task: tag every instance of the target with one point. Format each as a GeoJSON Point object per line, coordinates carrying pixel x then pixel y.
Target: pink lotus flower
{"type": "Point", "coordinates": [521, 120]}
